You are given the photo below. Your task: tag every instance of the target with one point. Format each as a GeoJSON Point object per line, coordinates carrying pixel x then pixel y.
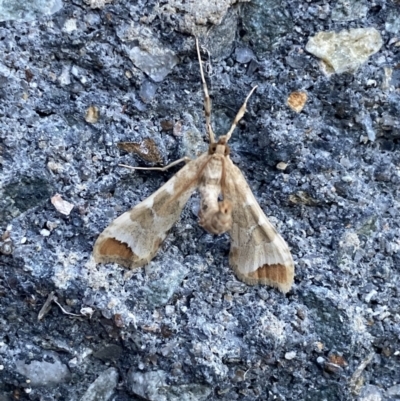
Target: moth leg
{"type": "Point", "coordinates": [239, 114]}
{"type": "Point", "coordinates": [165, 168]}
{"type": "Point", "coordinates": [207, 100]}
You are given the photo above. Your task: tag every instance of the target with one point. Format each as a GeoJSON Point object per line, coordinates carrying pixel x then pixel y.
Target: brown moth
{"type": "Point", "coordinates": [258, 254]}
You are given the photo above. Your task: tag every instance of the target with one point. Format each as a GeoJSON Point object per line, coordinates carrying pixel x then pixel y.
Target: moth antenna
{"type": "Point", "coordinates": [165, 168]}
{"type": "Point", "coordinates": [239, 115]}
{"type": "Point", "coordinates": [207, 100]}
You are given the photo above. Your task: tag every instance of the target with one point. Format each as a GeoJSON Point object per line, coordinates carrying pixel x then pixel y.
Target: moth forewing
{"type": "Point", "coordinates": [258, 255]}
{"type": "Point", "coordinates": [133, 238]}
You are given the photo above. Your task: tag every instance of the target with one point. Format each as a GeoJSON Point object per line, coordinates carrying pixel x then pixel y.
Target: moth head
{"type": "Point", "coordinates": [220, 147]}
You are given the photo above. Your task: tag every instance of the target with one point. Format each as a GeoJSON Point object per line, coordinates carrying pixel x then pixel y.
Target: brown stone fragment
{"type": "Point", "coordinates": [92, 115]}
{"type": "Point", "coordinates": [167, 125]}
{"type": "Point", "coordinates": [297, 100]}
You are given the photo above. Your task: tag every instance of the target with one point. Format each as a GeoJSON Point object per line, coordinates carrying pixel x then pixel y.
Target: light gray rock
{"type": "Point", "coordinates": [150, 56]}
{"type": "Point", "coordinates": [11, 10]}
{"type": "Point", "coordinates": [393, 391]}
{"type": "Point", "coordinates": [44, 373]}
{"type": "Point", "coordinates": [147, 91]}
{"type": "Point", "coordinates": [158, 292]}
{"type": "Point", "coordinates": [152, 386]}
{"type": "Point", "coordinates": [103, 387]}
{"type": "Point", "coordinates": [392, 24]}
{"type": "Point", "coordinates": [345, 51]}
{"type": "Point", "coordinates": [244, 55]}
{"type": "Point", "coordinates": [371, 393]}
{"type": "Point", "coordinates": [157, 63]}
{"type": "Point", "coordinates": [193, 16]}
{"type": "Point", "coordinates": [349, 10]}
{"type": "Point", "coordinates": [266, 23]}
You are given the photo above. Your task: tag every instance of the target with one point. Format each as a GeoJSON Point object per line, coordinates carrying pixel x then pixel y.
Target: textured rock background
{"type": "Point", "coordinates": [79, 77]}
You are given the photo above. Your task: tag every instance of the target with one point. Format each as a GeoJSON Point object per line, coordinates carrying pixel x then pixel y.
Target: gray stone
{"type": "Point", "coordinates": [103, 387]}
{"type": "Point", "coordinates": [156, 63]}
{"type": "Point", "coordinates": [21, 194]}
{"type": "Point", "coordinates": [244, 55]}
{"type": "Point", "coordinates": [392, 24]}
{"type": "Point", "coordinates": [44, 373]}
{"type": "Point", "coordinates": [330, 322]}
{"type": "Point", "coordinates": [194, 16]}
{"type": "Point", "coordinates": [152, 386]}
{"type": "Point", "coordinates": [192, 136]}
{"type": "Point", "coordinates": [266, 22]}
{"type": "Point", "coordinates": [150, 56]}
{"type": "Point", "coordinates": [147, 91]}
{"type": "Point", "coordinates": [111, 352]}
{"type": "Point", "coordinates": [27, 11]}
{"type": "Point", "coordinates": [146, 384]}
{"type": "Point", "coordinates": [393, 391]}
{"type": "Point", "coordinates": [365, 120]}
{"type": "Point", "coordinates": [349, 10]}
{"type": "Point", "coordinates": [347, 50]}
{"type": "Point", "coordinates": [158, 292]}
{"type": "Point", "coordinates": [219, 40]}
{"type": "Point", "coordinates": [370, 393]}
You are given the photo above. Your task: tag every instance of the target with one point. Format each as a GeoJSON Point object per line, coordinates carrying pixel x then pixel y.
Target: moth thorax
{"type": "Point", "coordinates": [220, 221]}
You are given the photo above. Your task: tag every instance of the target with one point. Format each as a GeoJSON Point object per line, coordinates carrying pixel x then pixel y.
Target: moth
{"type": "Point", "coordinates": [258, 254]}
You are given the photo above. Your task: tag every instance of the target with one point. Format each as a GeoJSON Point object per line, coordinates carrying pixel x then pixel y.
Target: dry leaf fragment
{"type": "Point", "coordinates": [61, 205]}
{"type": "Point", "coordinates": [337, 360]}
{"type": "Point", "coordinates": [303, 198]}
{"type": "Point", "coordinates": [147, 150]}
{"type": "Point", "coordinates": [46, 306]}
{"type": "Point", "coordinates": [118, 320]}
{"type": "Point", "coordinates": [167, 125]}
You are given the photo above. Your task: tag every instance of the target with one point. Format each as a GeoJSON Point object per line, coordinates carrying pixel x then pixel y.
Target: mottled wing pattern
{"type": "Point", "coordinates": [133, 238]}
{"type": "Point", "coordinates": [258, 255]}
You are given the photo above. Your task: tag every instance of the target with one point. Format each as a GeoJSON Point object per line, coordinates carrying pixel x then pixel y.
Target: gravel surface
{"type": "Point", "coordinates": [319, 146]}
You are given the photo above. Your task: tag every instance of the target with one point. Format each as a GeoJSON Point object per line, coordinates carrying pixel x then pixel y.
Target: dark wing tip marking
{"type": "Point", "coordinates": [110, 250]}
